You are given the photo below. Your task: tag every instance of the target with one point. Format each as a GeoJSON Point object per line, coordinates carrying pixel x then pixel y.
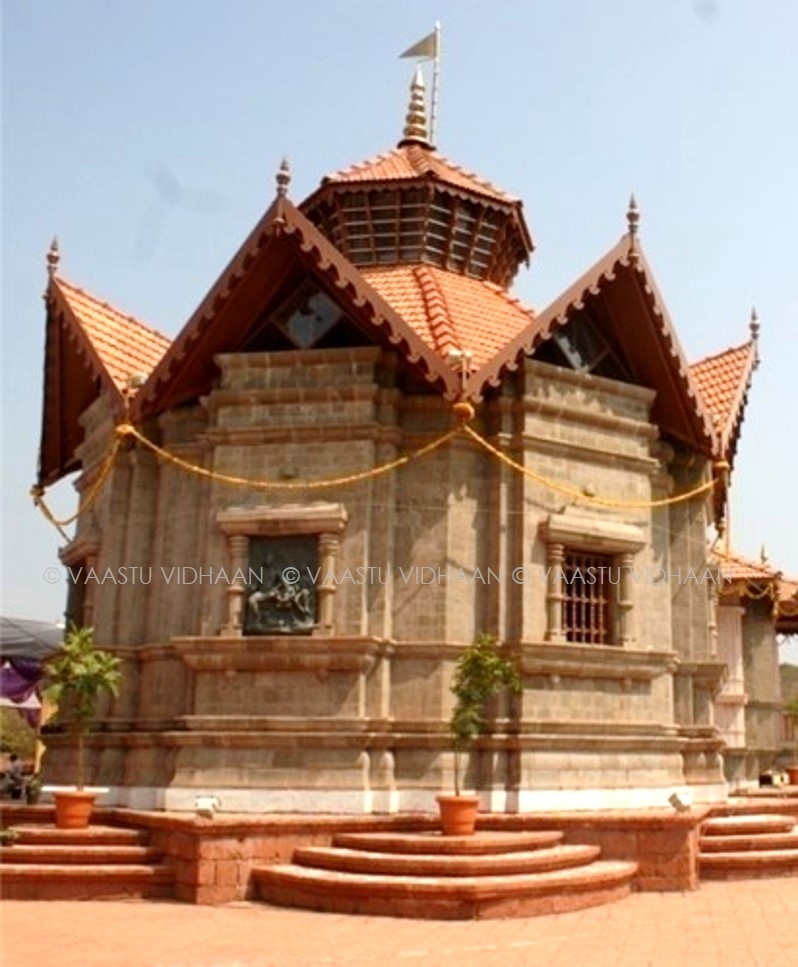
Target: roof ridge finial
{"type": "Point", "coordinates": [633, 220]}
{"type": "Point", "coordinates": [416, 120]}
{"type": "Point", "coordinates": [753, 325]}
{"type": "Point", "coordinates": [53, 257]}
{"type": "Point", "coordinates": [283, 178]}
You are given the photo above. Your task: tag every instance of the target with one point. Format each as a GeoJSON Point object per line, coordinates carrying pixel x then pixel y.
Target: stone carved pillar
{"type": "Point", "coordinates": [555, 592]}
{"type": "Point", "coordinates": [624, 603]}
{"type": "Point", "coordinates": [89, 592]}
{"type": "Point", "coordinates": [238, 545]}
{"type": "Point", "coordinates": [713, 620]}
{"type": "Point", "coordinates": [328, 552]}
{"type": "Point", "coordinates": [80, 557]}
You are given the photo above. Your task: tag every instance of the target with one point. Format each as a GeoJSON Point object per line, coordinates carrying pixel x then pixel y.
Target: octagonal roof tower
{"type": "Point", "coordinates": [412, 205]}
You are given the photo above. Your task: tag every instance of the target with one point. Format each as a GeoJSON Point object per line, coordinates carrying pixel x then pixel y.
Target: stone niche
{"type": "Point", "coordinates": [283, 561]}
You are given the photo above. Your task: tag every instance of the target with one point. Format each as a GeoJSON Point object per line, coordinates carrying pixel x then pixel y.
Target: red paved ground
{"type": "Point", "coordinates": [740, 924]}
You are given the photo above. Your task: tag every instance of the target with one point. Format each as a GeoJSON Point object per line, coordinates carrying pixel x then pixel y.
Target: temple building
{"type": "Point", "coordinates": [362, 451]}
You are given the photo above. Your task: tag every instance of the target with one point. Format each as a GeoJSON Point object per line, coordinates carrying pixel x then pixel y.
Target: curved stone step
{"type": "Point", "coordinates": [445, 898]}
{"type": "Point", "coordinates": [90, 855]}
{"type": "Point", "coordinates": [91, 836]}
{"type": "Point", "coordinates": [761, 841]}
{"type": "Point", "coordinates": [425, 864]}
{"type": "Point", "coordinates": [747, 825]}
{"type": "Point", "coordinates": [482, 842]}
{"type": "Point", "coordinates": [750, 864]}
{"type": "Point", "coordinates": [66, 881]}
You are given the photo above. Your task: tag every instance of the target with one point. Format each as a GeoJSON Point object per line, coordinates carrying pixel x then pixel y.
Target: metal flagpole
{"type": "Point", "coordinates": [436, 64]}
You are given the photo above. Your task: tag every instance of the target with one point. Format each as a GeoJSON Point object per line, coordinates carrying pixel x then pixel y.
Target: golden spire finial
{"type": "Point", "coordinates": [53, 257]}
{"type": "Point", "coordinates": [416, 121]}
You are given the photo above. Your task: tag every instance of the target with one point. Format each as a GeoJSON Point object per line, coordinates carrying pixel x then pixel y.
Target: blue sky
{"type": "Point", "coordinates": [146, 136]}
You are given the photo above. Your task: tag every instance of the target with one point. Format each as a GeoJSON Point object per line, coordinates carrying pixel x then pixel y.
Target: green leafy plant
{"type": "Point", "coordinates": [76, 677]}
{"type": "Point", "coordinates": [16, 735]}
{"type": "Point", "coordinates": [8, 837]}
{"type": "Point", "coordinates": [33, 789]}
{"type": "Point", "coordinates": [480, 674]}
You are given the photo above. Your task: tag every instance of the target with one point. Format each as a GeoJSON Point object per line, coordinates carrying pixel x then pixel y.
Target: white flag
{"type": "Point", "coordinates": [426, 49]}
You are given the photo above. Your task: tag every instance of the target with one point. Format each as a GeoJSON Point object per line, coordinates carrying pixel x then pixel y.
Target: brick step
{"type": "Point", "coordinates": [456, 865]}
{"type": "Point", "coordinates": [761, 841]}
{"type": "Point", "coordinates": [749, 864]}
{"type": "Point", "coordinates": [747, 825]}
{"type": "Point", "coordinates": [445, 898]}
{"type": "Point", "coordinates": [435, 842]}
{"type": "Point", "coordinates": [41, 835]}
{"type": "Point", "coordinates": [67, 881]}
{"type": "Point", "coordinates": [78, 853]}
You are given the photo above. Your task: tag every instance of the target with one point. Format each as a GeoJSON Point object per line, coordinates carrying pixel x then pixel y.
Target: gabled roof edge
{"type": "Point", "coordinates": [284, 217]}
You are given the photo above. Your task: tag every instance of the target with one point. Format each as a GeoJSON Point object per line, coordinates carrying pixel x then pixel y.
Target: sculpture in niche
{"type": "Point", "coordinates": [281, 595]}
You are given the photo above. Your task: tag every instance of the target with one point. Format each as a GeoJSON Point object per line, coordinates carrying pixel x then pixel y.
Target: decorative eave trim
{"type": "Point", "coordinates": [58, 300]}
{"type": "Point", "coordinates": [728, 435]}
{"type": "Point", "coordinates": [284, 219]}
{"type": "Point", "coordinates": [622, 258]}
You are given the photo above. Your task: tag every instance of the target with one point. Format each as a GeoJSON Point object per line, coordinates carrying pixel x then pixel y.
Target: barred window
{"type": "Point", "coordinates": [588, 595]}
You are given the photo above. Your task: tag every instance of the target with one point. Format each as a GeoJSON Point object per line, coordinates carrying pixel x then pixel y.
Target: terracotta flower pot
{"type": "Point", "coordinates": [792, 775]}
{"type": "Point", "coordinates": [73, 808]}
{"type": "Point", "coordinates": [458, 814]}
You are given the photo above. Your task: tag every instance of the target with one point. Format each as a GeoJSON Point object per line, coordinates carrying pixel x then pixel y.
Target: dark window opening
{"type": "Point", "coordinates": [589, 581]}
{"type": "Point", "coordinates": [579, 345]}
{"type": "Point", "coordinates": [307, 319]}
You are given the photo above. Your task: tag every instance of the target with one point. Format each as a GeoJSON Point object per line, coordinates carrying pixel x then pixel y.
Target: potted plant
{"type": "Point", "coordinates": [76, 677]}
{"type": "Point", "coordinates": [33, 789]}
{"type": "Point", "coordinates": [792, 768]}
{"type": "Point", "coordinates": [8, 837]}
{"type": "Point", "coordinates": [480, 674]}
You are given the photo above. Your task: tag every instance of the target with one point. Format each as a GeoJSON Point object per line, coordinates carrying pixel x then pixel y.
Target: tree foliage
{"type": "Point", "coordinates": [16, 735]}
{"type": "Point", "coordinates": [480, 674]}
{"type": "Point", "coordinates": [76, 677]}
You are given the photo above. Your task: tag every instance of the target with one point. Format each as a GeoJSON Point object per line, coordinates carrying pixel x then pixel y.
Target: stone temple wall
{"type": "Point", "coordinates": [341, 703]}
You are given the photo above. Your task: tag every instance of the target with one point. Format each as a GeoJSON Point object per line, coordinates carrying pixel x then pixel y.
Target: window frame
{"type": "Point", "coordinates": [572, 533]}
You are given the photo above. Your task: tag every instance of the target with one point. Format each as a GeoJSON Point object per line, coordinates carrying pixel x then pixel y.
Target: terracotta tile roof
{"type": "Point", "coordinates": [451, 311]}
{"type": "Point", "coordinates": [759, 580]}
{"type": "Point", "coordinates": [723, 381]}
{"type": "Point", "coordinates": [739, 568]}
{"type": "Point", "coordinates": [123, 345]}
{"type": "Point", "coordinates": [283, 235]}
{"type": "Point", "coordinates": [623, 279]}
{"type": "Point", "coordinates": [417, 161]}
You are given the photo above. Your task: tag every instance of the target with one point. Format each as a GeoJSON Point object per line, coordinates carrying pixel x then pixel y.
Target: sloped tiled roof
{"type": "Point", "coordinates": [283, 235]}
{"type": "Point", "coordinates": [735, 567]}
{"type": "Point", "coordinates": [124, 345]}
{"type": "Point", "coordinates": [759, 579]}
{"type": "Point", "coordinates": [788, 593]}
{"type": "Point", "coordinates": [723, 381]}
{"type": "Point", "coordinates": [413, 161]}
{"type": "Point", "coordinates": [91, 349]}
{"type": "Point", "coordinates": [451, 311]}
{"type": "Point", "coordinates": [623, 281]}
